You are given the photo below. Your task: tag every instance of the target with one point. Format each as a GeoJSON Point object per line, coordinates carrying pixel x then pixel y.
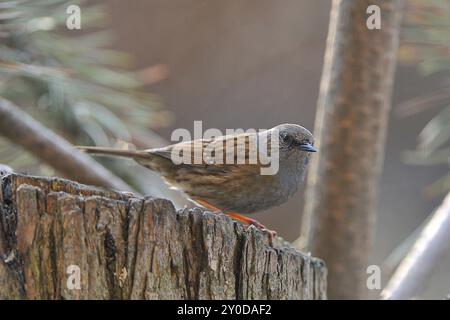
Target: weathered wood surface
{"type": "Point", "coordinates": [137, 248]}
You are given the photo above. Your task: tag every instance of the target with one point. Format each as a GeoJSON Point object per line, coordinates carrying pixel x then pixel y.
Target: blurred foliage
{"type": "Point", "coordinates": [70, 81]}
{"type": "Point", "coordinates": [426, 44]}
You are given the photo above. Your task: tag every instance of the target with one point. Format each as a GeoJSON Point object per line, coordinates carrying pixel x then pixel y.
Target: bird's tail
{"type": "Point", "coordinates": [135, 154]}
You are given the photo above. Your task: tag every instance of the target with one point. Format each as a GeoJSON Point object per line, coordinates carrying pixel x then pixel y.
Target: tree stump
{"type": "Point", "coordinates": [63, 240]}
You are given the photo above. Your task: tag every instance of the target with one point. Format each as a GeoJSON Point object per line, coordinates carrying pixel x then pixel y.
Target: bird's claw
{"type": "Point", "coordinates": [271, 233]}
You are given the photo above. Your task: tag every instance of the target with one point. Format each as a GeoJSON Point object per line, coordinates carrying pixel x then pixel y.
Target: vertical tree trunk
{"type": "Point", "coordinates": [123, 247]}
{"type": "Point", "coordinates": [351, 123]}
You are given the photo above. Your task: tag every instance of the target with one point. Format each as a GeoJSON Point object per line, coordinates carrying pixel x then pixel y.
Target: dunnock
{"type": "Point", "coordinates": [231, 188]}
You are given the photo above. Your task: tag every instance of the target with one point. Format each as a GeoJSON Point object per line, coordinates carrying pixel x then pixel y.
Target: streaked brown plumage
{"type": "Point", "coordinates": [231, 188]}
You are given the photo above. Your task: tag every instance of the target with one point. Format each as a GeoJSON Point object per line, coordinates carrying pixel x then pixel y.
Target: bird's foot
{"type": "Point", "coordinates": [245, 220]}
{"type": "Point", "coordinates": [252, 222]}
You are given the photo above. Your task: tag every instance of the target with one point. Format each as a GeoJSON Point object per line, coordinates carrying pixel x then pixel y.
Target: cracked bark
{"type": "Point", "coordinates": [137, 248]}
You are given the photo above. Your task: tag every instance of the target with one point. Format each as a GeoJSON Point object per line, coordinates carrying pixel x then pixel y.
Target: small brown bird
{"type": "Point", "coordinates": [231, 187]}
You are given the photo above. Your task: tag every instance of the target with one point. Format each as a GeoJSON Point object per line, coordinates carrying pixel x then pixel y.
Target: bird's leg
{"type": "Point", "coordinates": [207, 205]}
{"type": "Point", "coordinates": [237, 217]}
{"type": "Point", "coordinates": [246, 220]}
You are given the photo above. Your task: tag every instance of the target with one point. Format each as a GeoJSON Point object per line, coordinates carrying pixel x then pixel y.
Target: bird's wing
{"type": "Point", "coordinates": [220, 150]}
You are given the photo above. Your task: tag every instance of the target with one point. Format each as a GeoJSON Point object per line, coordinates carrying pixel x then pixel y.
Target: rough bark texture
{"type": "Point", "coordinates": [137, 248]}
{"type": "Point", "coordinates": [351, 125]}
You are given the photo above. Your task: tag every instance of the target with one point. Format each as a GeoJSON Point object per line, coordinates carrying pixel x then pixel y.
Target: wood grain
{"type": "Point", "coordinates": [128, 247]}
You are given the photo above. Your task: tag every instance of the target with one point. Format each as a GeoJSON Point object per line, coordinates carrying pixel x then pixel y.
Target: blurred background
{"type": "Point", "coordinates": [154, 66]}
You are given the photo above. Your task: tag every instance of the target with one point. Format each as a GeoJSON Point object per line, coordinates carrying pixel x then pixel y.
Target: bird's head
{"type": "Point", "coordinates": [295, 139]}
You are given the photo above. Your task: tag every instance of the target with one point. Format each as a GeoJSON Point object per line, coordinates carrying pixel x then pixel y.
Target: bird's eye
{"type": "Point", "coordinates": [287, 139]}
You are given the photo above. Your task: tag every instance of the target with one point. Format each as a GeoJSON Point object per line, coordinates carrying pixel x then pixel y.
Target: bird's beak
{"type": "Point", "coordinates": [308, 147]}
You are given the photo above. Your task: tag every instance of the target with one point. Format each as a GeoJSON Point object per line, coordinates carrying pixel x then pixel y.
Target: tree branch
{"type": "Point", "coordinates": [425, 254]}
{"type": "Point", "coordinates": [22, 129]}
